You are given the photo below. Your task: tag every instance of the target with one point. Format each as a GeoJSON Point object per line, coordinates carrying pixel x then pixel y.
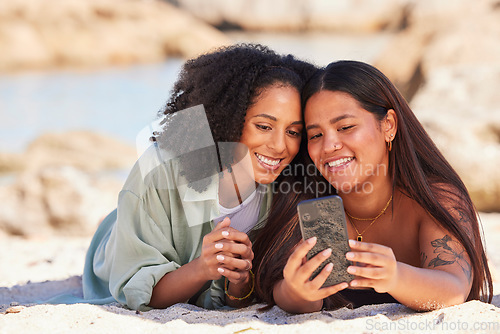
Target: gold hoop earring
{"type": "Point", "coordinates": [389, 143]}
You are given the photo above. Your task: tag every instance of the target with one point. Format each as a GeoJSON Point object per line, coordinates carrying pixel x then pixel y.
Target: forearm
{"type": "Point", "coordinates": [427, 289]}
{"type": "Point", "coordinates": [287, 301]}
{"type": "Point", "coordinates": [177, 286]}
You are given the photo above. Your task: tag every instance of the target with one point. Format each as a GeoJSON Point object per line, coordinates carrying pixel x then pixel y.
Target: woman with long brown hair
{"type": "Point", "coordinates": [418, 238]}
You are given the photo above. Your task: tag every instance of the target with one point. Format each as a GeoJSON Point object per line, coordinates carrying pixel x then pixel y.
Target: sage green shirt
{"type": "Point", "coordinates": [158, 226]}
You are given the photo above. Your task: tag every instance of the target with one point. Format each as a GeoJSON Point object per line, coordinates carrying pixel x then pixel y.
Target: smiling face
{"type": "Point", "coordinates": [346, 142]}
{"type": "Point", "coordinates": [272, 131]}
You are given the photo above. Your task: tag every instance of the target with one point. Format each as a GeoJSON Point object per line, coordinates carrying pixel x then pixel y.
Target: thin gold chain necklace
{"type": "Point", "coordinates": [360, 235]}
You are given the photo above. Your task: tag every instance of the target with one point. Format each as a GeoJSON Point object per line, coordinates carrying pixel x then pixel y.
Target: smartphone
{"type": "Point", "coordinates": [324, 218]}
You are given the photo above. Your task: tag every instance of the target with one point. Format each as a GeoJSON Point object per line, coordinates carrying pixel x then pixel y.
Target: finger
{"type": "Point", "coordinates": [224, 223]}
{"type": "Point", "coordinates": [362, 283]}
{"type": "Point", "coordinates": [300, 252]}
{"type": "Point", "coordinates": [330, 290]}
{"type": "Point", "coordinates": [374, 259]}
{"type": "Point", "coordinates": [238, 250]}
{"type": "Point", "coordinates": [237, 264]}
{"type": "Point", "coordinates": [237, 236]}
{"type": "Point", "coordinates": [310, 266]}
{"type": "Point", "coordinates": [233, 276]}
{"type": "Point", "coordinates": [369, 247]}
{"type": "Point", "coordinates": [298, 258]}
{"type": "Point", "coordinates": [320, 279]}
{"type": "Point", "coordinates": [218, 233]}
{"type": "Point", "coordinates": [367, 272]}
{"type": "Point", "coordinates": [229, 254]}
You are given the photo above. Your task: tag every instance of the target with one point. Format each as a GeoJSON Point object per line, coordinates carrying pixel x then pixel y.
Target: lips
{"type": "Point", "coordinates": [268, 162]}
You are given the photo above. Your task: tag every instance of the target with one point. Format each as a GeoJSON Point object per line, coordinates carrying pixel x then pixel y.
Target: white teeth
{"type": "Point", "coordinates": [267, 161]}
{"type": "Point", "coordinates": [339, 162]}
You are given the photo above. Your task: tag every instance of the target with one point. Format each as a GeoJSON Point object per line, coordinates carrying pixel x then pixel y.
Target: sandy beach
{"type": "Point", "coordinates": [34, 270]}
{"type": "Point", "coordinates": [443, 55]}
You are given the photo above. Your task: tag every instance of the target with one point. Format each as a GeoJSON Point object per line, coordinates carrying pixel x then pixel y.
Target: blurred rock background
{"type": "Point", "coordinates": [443, 55]}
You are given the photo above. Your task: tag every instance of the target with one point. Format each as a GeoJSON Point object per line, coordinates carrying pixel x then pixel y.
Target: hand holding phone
{"type": "Point", "coordinates": [324, 219]}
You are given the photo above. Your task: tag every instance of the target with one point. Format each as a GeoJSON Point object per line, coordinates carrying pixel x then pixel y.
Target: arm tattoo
{"type": "Point", "coordinates": [423, 259]}
{"type": "Point", "coordinates": [463, 221]}
{"type": "Point", "coordinates": [462, 218]}
{"type": "Point", "coordinates": [449, 252]}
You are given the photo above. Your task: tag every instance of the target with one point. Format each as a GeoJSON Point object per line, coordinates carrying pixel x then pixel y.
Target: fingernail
{"type": "Point", "coordinates": [329, 267]}
{"type": "Point", "coordinates": [220, 258]}
{"type": "Point", "coordinates": [349, 255]}
{"type": "Point", "coordinates": [351, 270]}
{"type": "Point", "coordinates": [311, 241]}
{"type": "Point", "coordinates": [218, 246]}
{"type": "Point", "coordinates": [225, 233]}
{"type": "Point", "coordinates": [352, 243]}
{"type": "Point", "coordinates": [354, 283]}
{"type": "Point", "coordinates": [327, 252]}
{"type": "Point", "coordinates": [220, 270]}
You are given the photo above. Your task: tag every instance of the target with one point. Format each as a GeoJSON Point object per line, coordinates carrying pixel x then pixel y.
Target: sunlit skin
{"type": "Point", "coordinates": [406, 247]}
{"type": "Point", "coordinates": [271, 135]}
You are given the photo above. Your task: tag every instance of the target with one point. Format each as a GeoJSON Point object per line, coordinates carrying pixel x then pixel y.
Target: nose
{"type": "Point", "coordinates": [331, 143]}
{"type": "Point", "coordinates": [278, 142]}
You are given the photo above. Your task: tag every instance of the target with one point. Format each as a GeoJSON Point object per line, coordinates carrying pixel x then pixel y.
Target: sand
{"type": "Point", "coordinates": [36, 269]}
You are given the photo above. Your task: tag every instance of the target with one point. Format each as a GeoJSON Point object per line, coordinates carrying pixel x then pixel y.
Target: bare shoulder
{"type": "Point", "coordinates": [458, 205]}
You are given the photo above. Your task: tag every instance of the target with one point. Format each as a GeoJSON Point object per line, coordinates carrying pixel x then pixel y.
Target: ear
{"type": "Point", "coordinates": [390, 125]}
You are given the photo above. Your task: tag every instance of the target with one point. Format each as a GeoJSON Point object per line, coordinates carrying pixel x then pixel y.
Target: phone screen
{"type": "Point", "coordinates": [324, 218]}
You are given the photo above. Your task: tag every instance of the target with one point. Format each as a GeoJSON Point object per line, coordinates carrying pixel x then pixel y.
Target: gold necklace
{"type": "Point", "coordinates": [360, 235]}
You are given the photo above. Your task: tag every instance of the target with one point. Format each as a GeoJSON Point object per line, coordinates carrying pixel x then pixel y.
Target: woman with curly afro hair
{"type": "Point", "coordinates": [198, 195]}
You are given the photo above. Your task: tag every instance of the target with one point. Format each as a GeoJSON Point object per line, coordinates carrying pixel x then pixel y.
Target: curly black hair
{"type": "Point", "coordinates": [226, 82]}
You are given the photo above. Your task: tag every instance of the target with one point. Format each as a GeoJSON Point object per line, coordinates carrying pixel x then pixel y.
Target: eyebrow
{"type": "Point", "coordinates": [274, 118]}
{"type": "Point", "coordinates": [266, 116]}
{"type": "Point", "coordinates": [332, 121]}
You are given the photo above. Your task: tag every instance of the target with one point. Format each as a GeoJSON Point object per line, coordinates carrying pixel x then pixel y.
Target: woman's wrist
{"type": "Point", "coordinates": [242, 290]}
{"type": "Point", "coordinates": [200, 267]}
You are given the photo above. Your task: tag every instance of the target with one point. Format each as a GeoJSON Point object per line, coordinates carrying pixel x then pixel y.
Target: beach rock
{"type": "Point", "coordinates": [460, 108]}
{"type": "Point", "coordinates": [64, 183]}
{"type": "Point", "coordinates": [53, 33]}
{"type": "Point", "coordinates": [57, 200]}
{"type": "Point", "coordinates": [447, 64]}
{"type": "Point", "coordinates": [401, 60]}
{"type": "Point", "coordinates": [85, 150]}
{"type": "Point", "coordinates": [441, 33]}
{"type": "Point", "coordinates": [300, 15]}
{"type": "Point", "coordinates": [11, 162]}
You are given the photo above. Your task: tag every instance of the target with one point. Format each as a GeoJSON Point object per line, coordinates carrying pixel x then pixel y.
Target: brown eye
{"type": "Point", "coordinates": [315, 136]}
{"type": "Point", "coordinates": [262, 127]}
{"type": "Point", "coordinates": [344, 128]}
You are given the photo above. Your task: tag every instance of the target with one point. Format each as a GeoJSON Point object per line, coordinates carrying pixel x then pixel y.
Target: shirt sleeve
{"type": "Point", "coordinates": [140, 250]}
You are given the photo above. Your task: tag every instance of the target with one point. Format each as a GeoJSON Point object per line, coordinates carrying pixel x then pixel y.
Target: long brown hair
{"type": "Point", "coordinates": [416, 166]}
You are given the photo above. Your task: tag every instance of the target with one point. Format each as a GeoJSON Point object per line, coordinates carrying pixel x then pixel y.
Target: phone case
{"type": "Point", "coordinates": [324, 218]}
